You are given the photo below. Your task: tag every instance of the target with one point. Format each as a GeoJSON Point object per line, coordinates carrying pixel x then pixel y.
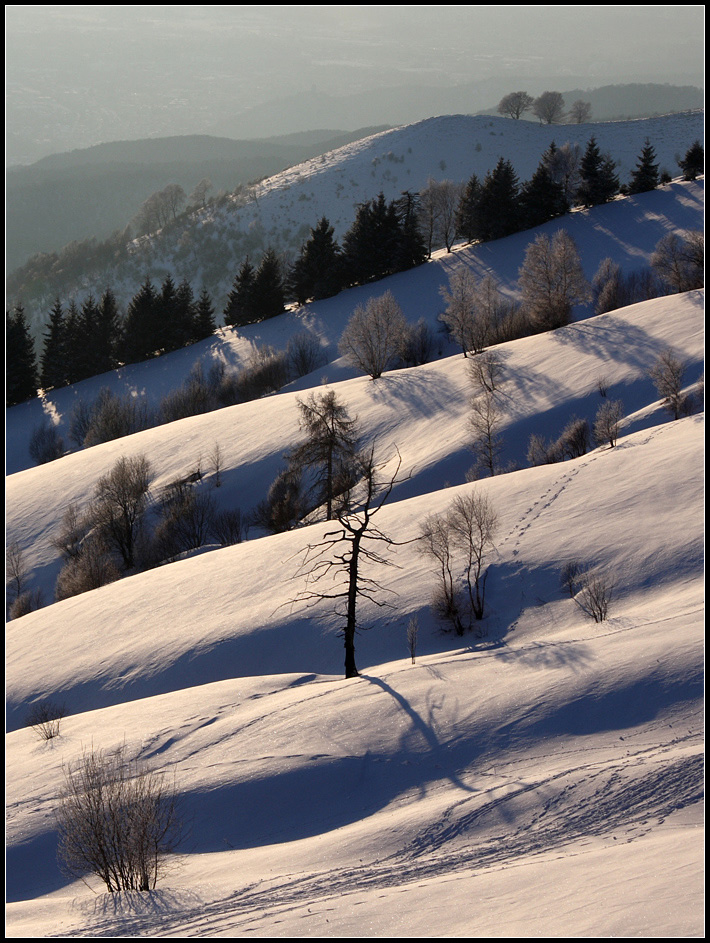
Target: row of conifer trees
{"type": "Point", "coordinates": [385, 237]}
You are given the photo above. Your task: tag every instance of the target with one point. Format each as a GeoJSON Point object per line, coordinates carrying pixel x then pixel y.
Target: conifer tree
{"type": "Point", "coordinates": [268, 292]}
{"type": "Point", "coordinates": [645, 177]}
{"type": "Point", "coordinates": [316, 272]}
{"type": "Point", "coordinates": [20, 358]}
{"type": "Point", "coordinates": [541, 199]}
{"type": "Point", "coordinates": [204, 322]}
{"type": "Point", "coordinates": [53, 366]}
{"type": "Point", "coordinates": [329, 450]}
{"type": "Point", "coordinates": [183, 322]}
{"type": "Point", "coordinates": [73, 342]}
{"type": "Point", "coordinates": [107, 332]}
{"type": "Point", "coordinates": [693, 164]}
{"type": "Point", "coordinates": [598, 180]}
{"type": "Point", "coordinates": [467, 213]}
{"type": "Point", "coordinates": [371, 244]}
{"type": "Point", "coordinates": [498, 213]}
{"type": "Point", "coordinates": [139, 328]}
{"type": "Point", "coordinates": [239, 309]}
{"type": "Point", "coordinates": [411, 250]}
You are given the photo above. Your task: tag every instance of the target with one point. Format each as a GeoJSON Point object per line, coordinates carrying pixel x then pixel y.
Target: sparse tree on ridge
{"type": "Point", "coordinates": [549, 107]}
{"type": "Point", "coordinates": [580, 112]}
{"type": "Point", "coordinates": [679, 262]}
{"type": "Point", "coordinates": [460, 541]}
{"type": "Point", "coordinates": [460, 315]}
{"type": "Point", "coordinates": [515, 104]}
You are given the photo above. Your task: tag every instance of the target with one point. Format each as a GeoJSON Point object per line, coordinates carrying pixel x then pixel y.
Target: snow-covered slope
{"type": "Point", "coordinates": [543, 779]}
{"type": "Point", "coordinates": [206, 248]}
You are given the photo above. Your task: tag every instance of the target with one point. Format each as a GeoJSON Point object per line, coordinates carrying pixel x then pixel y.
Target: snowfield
{"type": "Point", "coordinates": [544, 777]}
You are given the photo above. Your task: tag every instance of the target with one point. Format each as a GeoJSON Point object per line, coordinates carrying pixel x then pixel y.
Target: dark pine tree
{"type": "Point", "coordinates": [107, 332]}
{"type": "Point", "coordinates": [73, 343]}
{"type": "Point", "coordinates": [541, 199]}
{"type": "Point", "coordinates": [317, 272]}
{"type": "Point", "coordinates": [53, 364]}
{"type": "Point", "coordinates": [370, 246]}
{"type": "Point", "coordinates": [498, 209]}
{"type": "Point", "coordinates": [411, 248]}
{"type": "Point", "coordinates": [693, 164]}
{"type": "Point", "coordinates": [203, 319]}
{"type": "Point", "coordinates": [183, 322]}
{"type": "Point", "coordinates": [598, 181]}
{"type": "Point", "coordinates": [467, 211]}
{"type": "Point", "coordinates": [140, 333]}
{"type": "Point", "coordinates": [239, 309]}
{"type": "Point", "coordinates": [645, 177]}
{"type": "Point", "coordinates": [21, 362]}
{"type": "Point", "coordinates": [268, 292]}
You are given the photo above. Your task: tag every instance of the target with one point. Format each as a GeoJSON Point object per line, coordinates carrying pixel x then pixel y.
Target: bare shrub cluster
{"type": "Point", "coordinates": [117, 820]}
{"type": "Point", "coordinates": [45, 717]}
{"type": "Point", "coordinates": [591, 589]}
{"type": "Point", "coordinates": [460, 542]}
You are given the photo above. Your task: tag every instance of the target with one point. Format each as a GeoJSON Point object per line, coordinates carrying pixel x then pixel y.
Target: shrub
{"type": "Point", "coordinates": [44, 717]}
{"type": "Point", "coordinates": [46, 444]}
{"type": "Point", "coordinates": [228, 527]}
{"type": "Point", "coordinates": [117, 820]}
{"type": "Point", "coordinates": [606, 422]}
{"type": "Point", "coordinates": [591, 589]}
{"type": "Point", "coordinates": [26, 602]}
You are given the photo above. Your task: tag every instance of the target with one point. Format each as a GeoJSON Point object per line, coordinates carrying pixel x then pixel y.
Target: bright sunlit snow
{"type": "Point", "coordinates": [544, 779]}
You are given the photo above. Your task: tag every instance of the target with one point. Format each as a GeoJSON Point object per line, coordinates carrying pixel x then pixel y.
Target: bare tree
{"type": "Point", "coordinates": [667, 375]}
{"type": "Point", "coordinates": [552, 280]}
{"type": "Point", "coordinates": [46, 444]}
{"type": "Point", "coordinates": [372, 338]}
{"type": "Point", "coordinates": [338, 558]}
{"type": "Point", "coordinates": [17, 570]}
{"type": "Point", "coordinates": [119, 502]}
{"type": "Point", "coordinates": [117, 820]}
{"type": "Point", "coordinates": [487, 444]}
{"type": "Point", "coordinates": [487, 372]}
{"type": "Point", "coordinates": [460, 541]}
{"type": "Point", "coordinates": [549, 107]}
{"type": "Point", "coordinates": [563, 164]}
{"type": "Point", "coordinates": [515, 104]}
{"type": "Point", "coordinates": [680, 262]}
{"type": "Point", "coordinates": [412, 636]}
{"type": "Point", "coordinates": [460, 317]}
{"type": "Point", "coordinates": [580, 112]}
{"type": "Point", "coordinates": [606, 422]}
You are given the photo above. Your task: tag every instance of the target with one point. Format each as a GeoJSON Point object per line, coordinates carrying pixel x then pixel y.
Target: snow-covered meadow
{"type": "Point", "coordinates": [543, 779]}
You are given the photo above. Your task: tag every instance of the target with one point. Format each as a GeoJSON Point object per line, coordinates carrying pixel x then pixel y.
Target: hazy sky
{"type": "Point", "coordinates": [85, 74]}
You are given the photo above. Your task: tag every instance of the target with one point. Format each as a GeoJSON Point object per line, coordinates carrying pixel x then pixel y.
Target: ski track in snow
{"type": "Point", "coordinates": [620, 799]}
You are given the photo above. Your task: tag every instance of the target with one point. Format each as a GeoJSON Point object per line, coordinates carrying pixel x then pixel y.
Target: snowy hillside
{"type": "Point", "coordinates": [206, 248]}
{"type": "Point", "coordinates": [543, 777]}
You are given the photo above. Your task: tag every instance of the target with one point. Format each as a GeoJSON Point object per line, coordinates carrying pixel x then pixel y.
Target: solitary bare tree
{"type": "Point", "coordinates": [515, 104]}
{"type": "Point", "coordinates": [356, 540]}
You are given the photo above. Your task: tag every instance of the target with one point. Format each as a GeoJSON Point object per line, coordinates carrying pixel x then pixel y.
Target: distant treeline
{"type": "Point", "coordinates": [385, 237]}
